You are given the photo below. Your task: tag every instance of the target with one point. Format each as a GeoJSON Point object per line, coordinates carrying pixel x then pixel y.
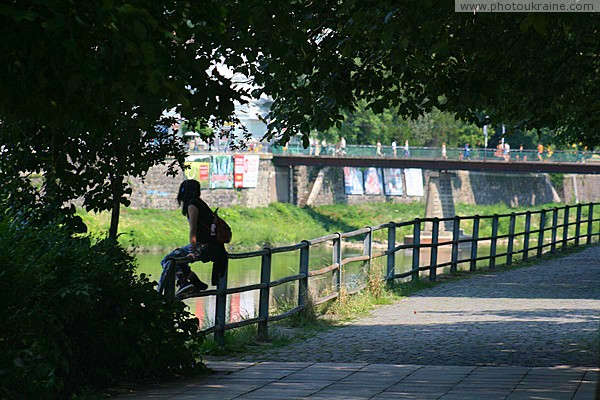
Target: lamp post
{"type": "Point", "coordinates": [486, 121]}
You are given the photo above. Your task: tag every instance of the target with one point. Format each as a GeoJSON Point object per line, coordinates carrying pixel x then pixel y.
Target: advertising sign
{"type": "Point", "coordinates": [353, 180]}
{"type": "Point", "coordinates": [373, 181]}
{"type": "Point", "coordinates": [221, 172]}
{"type": "Point", "coordinates": [246, 170]}
{"type": "Point", "coordinates": [392, 178]}
{"type": "Point", "coordinates": [414, 181]}
{"type": "Point", "coordinates": [199, 168]}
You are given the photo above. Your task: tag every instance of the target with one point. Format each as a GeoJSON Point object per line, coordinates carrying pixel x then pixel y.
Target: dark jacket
{"type": "Point", "coordinates": [215, 251]}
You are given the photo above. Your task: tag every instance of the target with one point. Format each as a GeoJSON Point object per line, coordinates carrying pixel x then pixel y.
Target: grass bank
{"type": "Point", "coordinates": [277, 224]}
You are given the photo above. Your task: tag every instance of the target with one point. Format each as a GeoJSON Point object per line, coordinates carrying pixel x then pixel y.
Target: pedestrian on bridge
{"type": "Point", "coordinates": [406, 149]}
{"type": "Point", "coordinates": [394, 148]}
{"type": "Point", "coordinates": [467, 152]}
{"type": "Point", "coordinates": [444, 155]}
{"type": "Point", "coordinates": [378, 148]}
{"type": "Point", "coordinates": [342, 146]}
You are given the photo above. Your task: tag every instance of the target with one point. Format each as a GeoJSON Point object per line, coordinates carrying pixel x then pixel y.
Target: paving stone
{"type": "Point", "coordinates": [337, 396]}
{"type": "Point", "coordinates": [419, 388]}
{"type": "Point", "coordinates": [283, 385]}
{"type": "Point", "coordinates": [255, 373]}
{"type": "Point", "coordinates": [408, 396]}
{"type": "Point", "coordinates": [210, 394]}
{"type": "Point", "coordinates": [228, 365]}
{"type": "Point", "coordinates": [539, 394]}
{"type": "Point", "coordinates": [591, 375]}
{"type": "Point", "coordinates": [586, 391]}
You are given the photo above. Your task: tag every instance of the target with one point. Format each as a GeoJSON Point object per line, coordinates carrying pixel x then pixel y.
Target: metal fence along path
{"type": "Point", "coordinates": [521, 236]}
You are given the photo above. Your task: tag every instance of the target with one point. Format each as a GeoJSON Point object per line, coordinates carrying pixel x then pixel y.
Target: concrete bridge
{"type": "Point", "coordinates": [526, 333]}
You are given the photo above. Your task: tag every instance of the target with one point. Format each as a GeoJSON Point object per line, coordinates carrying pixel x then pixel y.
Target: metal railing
{"type": "Point", "coordinates": [435, 153]}
{"type": "Point", "coordinates": [537, 232]}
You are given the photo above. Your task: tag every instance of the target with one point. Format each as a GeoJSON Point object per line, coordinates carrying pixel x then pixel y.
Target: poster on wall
{"type": "Point", "coordinates": [373, 181]}
{"type": "Point", "coordinates": [414, 181]}
{"type": "Point", "coordinates": [221, 172]}
{"type": "Point", "coordinates": [353, 180]}
{"type": "Point", "coordinates": [198, 168]}
{"type": "Point", "coordinates": [392, 178]}
{"type": "Point", "coordinates": [246, 170]}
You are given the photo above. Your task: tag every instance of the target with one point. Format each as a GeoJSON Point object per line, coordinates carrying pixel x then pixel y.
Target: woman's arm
{"type": "Point", "coordinates": [193, 222]}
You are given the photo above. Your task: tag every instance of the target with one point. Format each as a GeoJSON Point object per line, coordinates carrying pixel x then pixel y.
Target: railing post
{"type": "Point", "coordinates": [337, 259]}
{"type": "Point", "coordinates": [303, 292]}
{"type": "Point", "coordinates": [578, 225]}
{"type": "Point", "coordinates": [263, 304]}
{"type": "Point", "coordinates": [494, 243]}
{"type": "Point", "coordinates": [590, 223]}
{"type": "Point", "coordinates": [455, 239]}
{"type": "Point", "coordinates": [368, 247]}
{"type": "Point", "coordinates": [391, 257]}
{"type": "Point", "coordinates": [526, 235]}
{"type": "Point", "coordinates": [221, 308]}
{"type": "Point", "coordinates": [416, 249]}
{"type": "Point", "coordinates": [511, 239]}
{"type": "Point", "coordinates": [435, 231]}
{"type": "Point", "coordinates": [474, 244]}
{"type": "Point", "coordinates": [565, 240]}
{"type": "Point", "coordinates": [554, 223]}
{"type": "Point", "coordinates": [540, 243]}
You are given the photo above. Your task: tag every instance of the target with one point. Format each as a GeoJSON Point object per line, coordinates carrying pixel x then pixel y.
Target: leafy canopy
{"type": "Point", "coordinates": [83, 85]}
{"type": "Point", "coordinates": [526, 70]}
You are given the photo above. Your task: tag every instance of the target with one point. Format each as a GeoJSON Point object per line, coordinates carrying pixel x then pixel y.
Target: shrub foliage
{"type": "Point", "coordinates": [76, 317]}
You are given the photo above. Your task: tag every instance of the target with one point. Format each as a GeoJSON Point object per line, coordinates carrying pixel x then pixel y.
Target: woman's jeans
{"type": "Point", "coordinates": [182, 270]}
{"type": "Point", "coordinates": [204, 253]}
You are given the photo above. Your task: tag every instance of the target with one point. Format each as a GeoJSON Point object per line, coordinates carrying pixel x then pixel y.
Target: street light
{"type": "Point", "coordinates": [486, 121]}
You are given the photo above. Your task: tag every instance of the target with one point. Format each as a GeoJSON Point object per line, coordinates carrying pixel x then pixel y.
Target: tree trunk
{"type": "Point", "coordinates": [117, 191]}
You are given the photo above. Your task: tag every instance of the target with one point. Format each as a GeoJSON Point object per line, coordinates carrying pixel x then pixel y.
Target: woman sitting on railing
{"type": "Point", "coordinates": [203, 241]}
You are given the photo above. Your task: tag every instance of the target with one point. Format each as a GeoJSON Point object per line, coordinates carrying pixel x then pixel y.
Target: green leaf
{"type": "Point", "coordinates": [148, 52]}
{"type": "Point", "coordinates": [139, 30]}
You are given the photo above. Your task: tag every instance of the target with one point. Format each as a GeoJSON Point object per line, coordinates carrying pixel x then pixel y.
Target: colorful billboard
{"type": "Point", "coordinates": [392, 178]}
{"type": "Point", "coordinates": [198, 168]}
{"type": "Point", "coordinates": [373, 181]}
{"type": "Point", "coordinates": [221, 172]}
{"type": "Point", "coordinates": [246, 170]}
{"type": "Point", "coordinates": [353, 180]}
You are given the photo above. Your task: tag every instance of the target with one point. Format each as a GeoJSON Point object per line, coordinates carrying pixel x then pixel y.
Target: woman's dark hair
{"type": "Point", "coordinates": [188, 190]}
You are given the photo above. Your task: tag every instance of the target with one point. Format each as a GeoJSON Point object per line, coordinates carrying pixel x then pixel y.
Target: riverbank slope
{"type": "Point", "coordinates": [278, 224]}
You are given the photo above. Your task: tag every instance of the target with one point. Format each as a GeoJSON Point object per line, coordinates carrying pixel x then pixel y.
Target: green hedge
{"type": "Point", "coordinates": [75, 317]}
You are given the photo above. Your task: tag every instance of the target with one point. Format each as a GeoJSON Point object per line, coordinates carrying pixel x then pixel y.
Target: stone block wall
{"type": "Point", "coordinates": [582, 188]}
{"type": "Point", "coordinates": [511, 189]}
{"type": "Point", "coordinates": [160, 191]}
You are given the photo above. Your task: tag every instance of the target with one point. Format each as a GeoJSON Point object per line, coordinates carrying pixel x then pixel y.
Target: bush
{"type": "Point", "coordinates": [75, 317]}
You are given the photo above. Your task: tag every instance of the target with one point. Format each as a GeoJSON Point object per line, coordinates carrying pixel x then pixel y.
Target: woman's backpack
{"type": "Point", "coordinates": [221, 229]}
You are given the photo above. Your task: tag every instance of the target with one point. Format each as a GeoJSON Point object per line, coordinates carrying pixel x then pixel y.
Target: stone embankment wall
{"type": "Point", "coordinates": [160, 191]}
{"type": "Point", "coordinates": [275, 185]}
{"type": "Point", "coordinates": [510, 189]}
{"type": "Point", "coordinates": [580, 188]}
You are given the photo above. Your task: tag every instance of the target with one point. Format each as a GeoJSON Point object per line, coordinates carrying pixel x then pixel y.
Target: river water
{"type": "Point", "coordinates": [243, 272]}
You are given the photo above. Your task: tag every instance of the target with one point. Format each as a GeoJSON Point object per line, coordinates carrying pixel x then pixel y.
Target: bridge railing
{"type": "Point", "coordinates": [490, 240]}
{"type": "Point", "coordinates": [435, 153]}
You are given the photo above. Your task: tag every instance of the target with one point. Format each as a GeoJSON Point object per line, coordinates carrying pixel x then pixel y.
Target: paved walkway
{"type": "Point", "coordinates": [529, 333]}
